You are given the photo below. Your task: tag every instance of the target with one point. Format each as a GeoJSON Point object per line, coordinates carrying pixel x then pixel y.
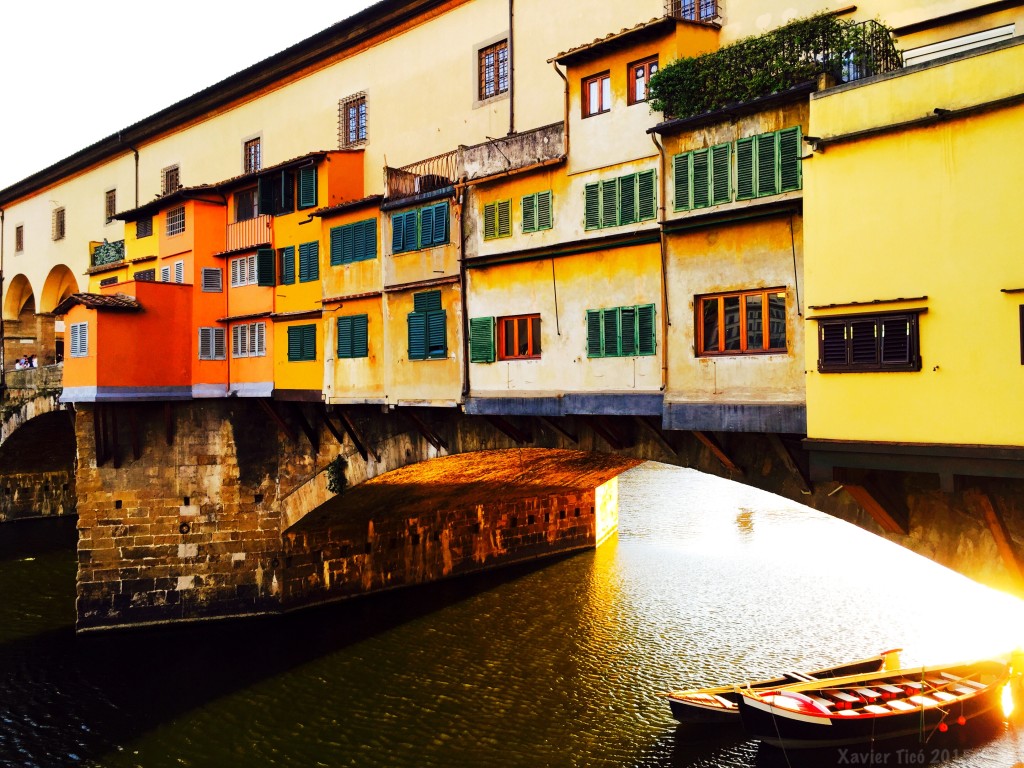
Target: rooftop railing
{"type": "Point", "coordinates": [694, 10]}
{"type": "Point", "coordinates": [424, 176]}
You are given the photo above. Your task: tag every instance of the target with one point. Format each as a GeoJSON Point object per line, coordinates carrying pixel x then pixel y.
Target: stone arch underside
{"type": "Point", "coordinates": [20, 297]}
{"type": "Point", "coordinates": [60, 284]}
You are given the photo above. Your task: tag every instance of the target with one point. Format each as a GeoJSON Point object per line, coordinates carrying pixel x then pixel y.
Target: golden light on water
{"type": "Point", "coordinates": [1007, 700]}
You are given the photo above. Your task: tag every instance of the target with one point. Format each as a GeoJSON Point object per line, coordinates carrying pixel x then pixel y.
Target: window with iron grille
{"type": "Point", "coordinates": [597, 94]}
{"type": "Point", "coordinates": [145, 275]}
{"type": "Point", "coordinates": [353, 336]}
{"type": "Point", "coordinates": [352, 121]}
{"type": "Point", "coordinates": [213, 280]}
{"type": "Point", "coordinates": [58, 224]}
{"type": "Point", "coordinates": [79, 339]}
{"type": "Point", "coordinates": [144, 227]}
{"type": "Point", "coordinates": [108, 281]}
{"type": "Point", "coordinates": [493, 69]}
{"type": "Point", "coordinates": [621, 331]}
{"type": "Point", "coordinates": [887, 341]}
{"type": "Point", "coordinates": [211, 344]}
{"type": "Point", "coordinates": [170, 180]}
{"type": "Point", "coordinates": [251, 160]}
{"type": "Point", "coordinates": [110, 205]}
{"type": "Point", "coordinates": [741, 322]}
{"type": "Point", "coordinates": [246, 204]}
{"type": "Point", "coordinates": [427, 322]}
{"type": "Point", "coordinates": [301, 343]}
{"type": "Point", "coordinates": [19, 238]}
{"type": "Point", "coordinates": [624, 200]}
{"type": "Point", "coordinates": [640, 74]}
{"type": "Point", "coordinates": [249, 340]}
{"type": "Point", "coordinates": [175, 221]}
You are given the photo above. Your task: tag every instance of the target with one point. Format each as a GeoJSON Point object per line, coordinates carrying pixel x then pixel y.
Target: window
{"type": "Point", "coordinates": [145, 275]}
{"type": "Point", "coordinates": [746, 322]}
{"type": "Point", "coordinates": [276, 193]}
{"type": "Point", "coordinates": [251, 160]}
{"type": "Point", "coordinates": [352, 121]}
{"type": "Point", "coordinates": [243, 271]}
{"type": "Point", "coordinates": [498, 219]}
{"type": "Point", "coordinates": [886, 341]}
{"type": "Point", "coordinates": [108, 281]}
{"type": "Point", "coordinates": [354, 242]}
{"type": "Point", "coordinates": [175, 222]}
{"type": "Point", "coordinates": [537, 211]}
{"type": "Point", "coordinates": [353, 340]}
{"type": "Point", "coordinates": [165, 274]}
{"type": "Point", "coordinates": [624, 200]}
{"type": "Point", "coordinates": [179, 271]}
{"type": "Point", "coordinates": [110, 205]}
{"type": "Point", "coordinates": [213, 280]}
{"type": "Point", "coordinates": [211, 344]}
{"type": "Point", "coordinates": [518, 337]}
{"type": "Point", "coordinates": [422, 228]}
{"type": "Point", "coordinates": [246, 204]}
{"type": "Point", "coordinates": [19, 238]}
{"type": "Point", "coordinates": [79, 339]}
{"type": "Point", "coordinates": [640, 74]}
{"type": "Point", "coordinates": [309, 262]}
{"type": "Point", "coordinates": [58, 223]}
{"type": "Point", "coordinates": [287, 259]}
{"type": "Point", "coordinates": [307, 187]}
{"type": "Point", "coordinates": [301, 343]}
{"type": "Point", "coordinates": [621, 331]}
{"type": "Point", "coordinates": [249, 340]}
{"type": "Point", "coordinates": [427, 327]}
{"type": "Point", "coordinates": [493, 68]}
{"type": "Point", "coordinates": [766, 164]}
{"type": "Point", "coordinates": [170, 180]}
{"type": "Point", "coordinates": [144, 227]}
{"type": "Point", "coordinates": [597, 94]}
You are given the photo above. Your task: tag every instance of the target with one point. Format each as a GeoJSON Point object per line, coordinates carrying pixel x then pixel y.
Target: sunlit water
{"type": "Point", "coordinates": [553, 665]}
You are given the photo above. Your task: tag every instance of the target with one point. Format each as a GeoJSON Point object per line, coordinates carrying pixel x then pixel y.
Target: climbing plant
{"type": "Point", "coordinates": [336, 480]}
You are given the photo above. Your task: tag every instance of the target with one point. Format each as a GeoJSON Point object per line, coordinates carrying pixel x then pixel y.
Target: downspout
{"type": "Point", "coordinates": [666, 318]}
{"type": "Point", "coordinates": [465, 293]}
{"type": "Point", "coordinates": [565, 119]}
{"type": "Point", "coordinates": [511, 69]}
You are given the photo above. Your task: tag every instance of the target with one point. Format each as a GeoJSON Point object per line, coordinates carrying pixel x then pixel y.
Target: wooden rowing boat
{"type": "Point", "coordinates": [870, 707]}
{"type": "Point", "coordinates": [720, 705]}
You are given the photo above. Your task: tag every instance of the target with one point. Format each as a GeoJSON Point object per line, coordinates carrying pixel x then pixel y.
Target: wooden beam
{"type": "Point", "coordinates": [709, 442]}
{"type": "Point", "coordinates": [133, 423]}
{"type": "Point", "coordinates": [433, 438]}
{"type": "Point", "coordinates": [790, 463]}
{"type": "Point", "coordinates": [885, 511]}
{"type": "Point", "coordinates": [551, 423]}
{"type": "Point", "coordinates": [506, 427]}
{"type": "Point", "coordinates": [362, 445]}
{"type": "Point", "coordinates": [113, 438]}
{"type": "Point", "coordinates": [276, 418]}
{"type": "Point", "coordinates": [607, 432]}
{"type": "Point", "coordinates": [658, 435]}
{"type": "Point", "coordinates": [331, 428]}
{"type": "Point", "coordinates": [1004, 543]}
{"type": "Point", "coordinates": [307, 429]}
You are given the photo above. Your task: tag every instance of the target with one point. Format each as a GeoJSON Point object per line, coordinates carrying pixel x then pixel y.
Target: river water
{"type": "Point", "coordinates": [555, 664]}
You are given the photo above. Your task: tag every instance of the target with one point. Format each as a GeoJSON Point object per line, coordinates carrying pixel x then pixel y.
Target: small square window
{"type": "Point", "coordinates": [144, 227]}
{"type": "Point", "coordinates": [58, 224]}
{"type": "Point", "coordinates": [19, 238]}
{"type": "Point", "coordinates": [176, 221]}
{"type": "Point", "coordinates": [640, 74]}
{"type": "Point", "coordinates": [597, 94]}
{"type": "Point", "coordinates": [519, 337]}
{"type": "Point", "coordinates": [170, 180]}
{"type": "Point", "coordinates": [251, 160]}
{"type": "Point", "coordinates": [352, 121]}
{"type": "Point", "coordinates": [246, 204]}
{"type": "Point", "coordinates": [110, 205]}
{"type": "Point", "coordinates": [493, 70]}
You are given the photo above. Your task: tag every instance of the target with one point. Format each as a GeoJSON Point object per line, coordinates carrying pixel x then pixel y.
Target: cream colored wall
{"type": "Point", "coordinates": [922, 212]}
{"type": "Point", "coordinates": [424, 263]}
{"type": "Point", "coordinates": [358, 379]}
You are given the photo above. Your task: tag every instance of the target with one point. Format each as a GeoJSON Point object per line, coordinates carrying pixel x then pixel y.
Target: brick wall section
{"type": "Point", "coordinates": [343, 558]}
{"type": "Point", "coordinates": [38, 494]}
{"type": "Point", "coordinates": [189, 530]}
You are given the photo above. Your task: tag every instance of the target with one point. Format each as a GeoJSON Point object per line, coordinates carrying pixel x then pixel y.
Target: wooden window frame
{"type": "Point", "coordinates": [252, 155]}
{"type": "Point", "coordinates": [498, 219]}
{"type": "Point", "coordinates": [79, 333]}
{"type": "Point", "coordinates": [109, 205]}
{"type": "Point", "coordinates": [400, 223]}
{"type": "Point", "coordinates": [511, 321]}
{"type": "Point", "coordinates": [59, 224]}
{"type": "Point", "coordinates": [621, 200]}
{"type": "Point", "coordinates": [249, 339]}
{"type": "Point", "coordinates": [174, 221]}
{"type": "Point", "coordinates": [357, 347]}
{"type": "Point", "coordinates": [170, 179]}
{"type": "Point", "coordinates": [600, 321]}
{"type": "Point", "coordinates": [306, 340]}
{"type": "Point", "coordinates": [491, 81]}
{"type": "Point", "coordinates": [352, 121]}
{"type": "Point", "coordinates": [214, 343]}
{"type": "Point", "coordinates": [19, 238]}
{"type": "Point", "coordinates": [309, 262]}
{"type": "Point", "coordinates": [428, 313]}
{"type": "Point", "coordinates": [650, 67]}
{"type": "Point", "coordinates": [828, 347]}
{"type": "Point", "coordinates": [604, 88]}
{"type": "Point", "coordinates": [719, 298]}
{"type": "Point", "coordinates": [247, 204]}
{"type": "Point", "coordinates": [246, 265]}
{"type": "Point", "coordinates": [353, 242]}
{"type": "Point", "coordinates": [536, 212]}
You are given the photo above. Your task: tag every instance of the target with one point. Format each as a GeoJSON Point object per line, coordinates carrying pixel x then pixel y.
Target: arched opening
{"type": "Point", "coordinates": [21, 323]}
{"type": "Point", "coordinates": [60, 284]}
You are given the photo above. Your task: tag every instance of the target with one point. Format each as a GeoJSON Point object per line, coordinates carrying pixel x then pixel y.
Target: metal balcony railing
{"type": "Point", "coordinates": [249, 233]}
{"type": "Point", "coordinates": [424, 176]}
{"type": "Point", "coordinates": [694, 10]}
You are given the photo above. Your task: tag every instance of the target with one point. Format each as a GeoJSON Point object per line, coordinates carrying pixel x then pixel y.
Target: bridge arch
{"type": "Point", "coordinates": [60, 284]}
{"type": "Point", "coordinates": [20, 298]}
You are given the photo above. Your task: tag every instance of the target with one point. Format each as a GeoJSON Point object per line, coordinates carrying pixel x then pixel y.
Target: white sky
{"type": "Point", "coordinates": [77, 71]}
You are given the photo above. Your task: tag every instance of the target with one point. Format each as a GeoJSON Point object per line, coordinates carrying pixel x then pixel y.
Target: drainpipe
{"type": "Point", "coordinates": [511, 68]}
{"type": "Point", "coordinates": [465, 292]}
{"type": "Point", "coordinates": [136, 152]}
{"type": "Point", "coordinates": [565, 121]}
{"type": "Point", "coordinates": [666, 318]}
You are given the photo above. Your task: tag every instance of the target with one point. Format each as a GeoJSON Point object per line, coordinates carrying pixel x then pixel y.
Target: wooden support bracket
{"type": "Point", "coordinates": [276, 418]}
{"type": "Point", "coordinates": [362, 445]}
{"type": "Point", "coordinates": [607, 432]}
{"type": "Point", "coordinates": [133, 423]}
{"type": "Point", "coordinates": [169, 423]}
{"type": "Point", "coordinates": [1004, 543]}
{"type": "Point", "coordinates": [889, 512]}
{"type": "Point", "coordinates": [709, 442]}
{"type": "Point", "coordinates": [431, 437]}
{"type": "Point", "coordinates": [790, 463]}
{"type": "Point", "coordinates": [519, 436]}
{"type": "Point", "coordinates": [307, 429]}
{"type": "Point", "coordinates": [657, 434]}
{"type": "Point", "coordinates": [332, 428]}
{"type": "Point", "coordinates": [113, 438]}
{"type": "Point", "coordinates": [570, 436]}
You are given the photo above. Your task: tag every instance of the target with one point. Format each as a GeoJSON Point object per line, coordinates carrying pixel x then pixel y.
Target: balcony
{"type": "Point", "coordinates": [705, 11]}
{"type": "Point", "coordinates": [249, 233]}
{"type": "Point", "coordinates": [423, 177]}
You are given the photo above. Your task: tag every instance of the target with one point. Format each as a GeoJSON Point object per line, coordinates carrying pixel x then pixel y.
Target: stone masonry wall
{"type": "Point", "coordinates": [37, 494]}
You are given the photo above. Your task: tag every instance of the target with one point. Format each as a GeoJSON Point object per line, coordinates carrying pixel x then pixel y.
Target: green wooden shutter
{"type": "Point", "coordinates": [681, 180]}
{"type": "Point", "coordinates": [265, 192]}
{"type": "Point", "coordinates": [481, 340]}
{"type": "Point", "coordinates": [647, 195]}
{"type": "Point", "coordinates": [746, 187]}
{"type": "Point", "coordinates": [594, 346]}
{"type": "Point", "coordinates": [609, 203]}
{"type": "Point", "coordinates": [314, 260]}
{"type": "Point", "coordinates": [440, 235]}
{"type": "Point", "coordinates": [294, 343]}
{"type": "Point", "coordinates": [307, 187]}
{"type": "Point", "coordinates": [417, 335]}
{"type": "Point", "coordinates": [627, 317]}
{"type": "Point", "coordinates": [490, 221]}
{"type": "Point", "coordinates": [592, 206]}
{"type": "Point", "coordinates": [701, 179]}
{"type": "Point", "coordinates": [345, 337]}
{"type": "Point", "coordinates": [287, 192]}
{"type": "Point", "coordinates": [437, 335]}
{"type": "Point", "coordinates": [361, 336]}
{"type": "Point", "coordinates": [397, 233]}
{"type": "Point", "coordinates": [426, 226]}
{"type": "Point", "coordinates": [627, 199]}
{"type": "Point", "coordinates": [767, 182]}
{"type": "Point", "coordinates": [411, 231]}
{"type": "Point", "coordinates": [544, 210]}
{"type": "Point", "coordinates": [610, 323]}
{"type": "Point", "coordinates": [530, 213]}
{"type": "Point", "coordinates": [366, 241]}
{"type": "Point", "coordinates": [265, 267]}
{"type": "Point", "coordinates": [646, 330]}
{"type": "Point", "coordinates": [337, 246]}
{"type": "Point", "coordinates": [504, 218]}
{"type": "Point", "coordinates": [288, 265]}
{"type": "Point", "coordinates": [426, 301]}
{"type": "Point", "coordinates": [789, 159]}
{"type": "Point", "coordinates": [721, 170]}
{"type": "Point", "coordinates": [304, 262]}
{"type": "Point", "coordinates": [309, 342]}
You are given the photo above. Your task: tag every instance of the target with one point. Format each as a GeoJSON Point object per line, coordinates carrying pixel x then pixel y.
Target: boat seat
{"type": "Point", "coordinates": [890, 691]}
{"type": "Point", "coordinates": [822, 702]}
{"type": "Point", "coordinates": [898, 705]}
{"type": "Point", "coordinates": [912, 686]}
{"type": "Point", "coordinates": [868, 694]}
{"type": "Point", "coordinates": [963, 690]}
{"type": "Point", "coordinates": [963, 681]}
{"type": "Point", "coordinates": [842, 699]}
{"type": "Point", "coordinates": [848, 713]}
{"type": "Point", "coordinates": [943, 695]}
{"type": "Point", "coordinates": [923, 701]}
{"type": "Point", "coordinates": [875, 709]}
{"type": "Point", "coordinates": [799, 677]}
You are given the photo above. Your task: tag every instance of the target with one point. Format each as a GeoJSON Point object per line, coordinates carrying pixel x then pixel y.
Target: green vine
{"type": "Point", "coordinates": [336, 480]}
{"type": "Point", "coordinates": [777, 61]}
